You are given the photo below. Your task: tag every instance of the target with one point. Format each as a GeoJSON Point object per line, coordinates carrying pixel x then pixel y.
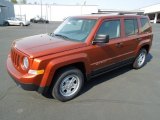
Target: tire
{"type": "Point", "coordinates": [34, 21]}
{"type": "Point", "coordinates": [6, 23]}
{"type": "Point", "coordinates": [21, 24]}
{"type": "Point", "coordinates": [140, 59]}
{"type": "Point", "coordinates": [69, 83]}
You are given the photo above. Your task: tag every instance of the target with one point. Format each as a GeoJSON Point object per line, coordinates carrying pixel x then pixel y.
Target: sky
{"type": "Point", "coordinates": [104, 4]}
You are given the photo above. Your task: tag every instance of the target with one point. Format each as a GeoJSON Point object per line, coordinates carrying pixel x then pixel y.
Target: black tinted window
{"type": "Point", "coordinates": [131, 27]}
{"type": "Point", "coordinates": [145, 25]}
{"type": "Point", "coordinates": [111, 28]}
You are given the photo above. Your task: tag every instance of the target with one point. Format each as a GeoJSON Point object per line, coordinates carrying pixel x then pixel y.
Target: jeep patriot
{"type": "Point", "coordinates": [81, 48]}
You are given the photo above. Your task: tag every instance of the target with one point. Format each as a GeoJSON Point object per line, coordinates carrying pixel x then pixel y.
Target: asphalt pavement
{"type": "Point", "coordinates": [123, 94]}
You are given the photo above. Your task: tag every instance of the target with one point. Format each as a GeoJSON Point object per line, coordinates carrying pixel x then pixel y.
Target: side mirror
{"type": "Point", "coordinates": [100, 38]}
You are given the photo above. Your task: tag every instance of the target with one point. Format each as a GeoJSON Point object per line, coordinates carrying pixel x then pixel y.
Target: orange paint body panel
{"type": "Point", "coordinates": [48, 53]}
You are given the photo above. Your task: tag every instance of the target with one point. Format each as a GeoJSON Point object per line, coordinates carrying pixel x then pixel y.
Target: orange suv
{"type": "Point", "coordinates": [81, 48]}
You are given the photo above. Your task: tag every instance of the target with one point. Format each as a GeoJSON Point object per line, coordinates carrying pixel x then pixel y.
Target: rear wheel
{"type": "Point", "coordinates": [68, 84]}
{"type": "Point", "coordinates": [21, 24]}
{"type": "Point", "coordinates": [140, 59]}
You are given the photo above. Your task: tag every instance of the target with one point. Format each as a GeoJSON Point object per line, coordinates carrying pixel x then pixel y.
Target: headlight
{"type": "Point", "coordinates": [25, 63]}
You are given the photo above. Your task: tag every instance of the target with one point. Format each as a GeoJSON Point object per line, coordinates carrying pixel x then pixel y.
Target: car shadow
{"type": "Point", "coordinates": [105, 77]}
{"type": "Point", "coordinates": [149, 58]}
{"type": "Point", "coordinates": [110, 75]}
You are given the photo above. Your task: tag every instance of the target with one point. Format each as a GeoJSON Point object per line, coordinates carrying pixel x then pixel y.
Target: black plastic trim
{"type": "Point", "coordinates": [109, 68]}
{"type": "Point", "coordinates": [31, 87]}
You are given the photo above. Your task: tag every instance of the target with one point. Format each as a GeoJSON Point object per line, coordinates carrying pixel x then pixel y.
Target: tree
{"type": "Point", "coordinates": [35, 3]}
{"type": "Point", "coordinates": [24, 1]}
{"type": "Point", "coordinates": [14, 1]}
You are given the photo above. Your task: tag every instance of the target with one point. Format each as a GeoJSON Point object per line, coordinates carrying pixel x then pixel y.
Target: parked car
{"type": "Point", "coordinates": [39, 20]}
{"type": "Point", "coordinates": [16, 21]}
{"type": "Point", "coordinates": [81, 48]}
{"type": "Point", "coordinates": [158, 20]}
{"type": "Point", "coordinates": [151, 21]}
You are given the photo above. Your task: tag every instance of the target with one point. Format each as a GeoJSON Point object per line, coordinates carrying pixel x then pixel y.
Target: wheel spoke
{"type": "Point", "coordinates": [69, 85]}
{"type": "Point", "coordinates": [73, 80]}
{"type": "Point", "coordinates": [141, 59]}
{"type": "Point", "coordinates": [63, 88]}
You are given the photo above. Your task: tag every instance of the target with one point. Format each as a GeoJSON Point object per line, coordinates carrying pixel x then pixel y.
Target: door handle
{"type": "Point", "coordinates": [119, 44]}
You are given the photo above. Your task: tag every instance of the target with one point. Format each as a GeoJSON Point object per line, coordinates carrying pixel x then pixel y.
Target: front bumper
{"type": "Point", "coordinates": [26, 81]}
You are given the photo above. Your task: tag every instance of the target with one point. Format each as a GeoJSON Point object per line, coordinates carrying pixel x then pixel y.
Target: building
{"type": "Point", "coordinates": [153, 12]}
{"type": "Point", "coordinates": [60, 12]}
{"type": "Point", "coordinates": [53, 12]}
{"type": "Point", "coordinates": [6, 10]}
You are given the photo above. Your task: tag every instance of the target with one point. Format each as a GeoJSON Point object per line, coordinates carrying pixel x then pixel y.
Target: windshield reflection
{"type": "Point", "coordinates": [76, 29]}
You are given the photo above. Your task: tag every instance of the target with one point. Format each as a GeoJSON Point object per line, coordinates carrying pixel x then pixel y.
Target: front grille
{"type": "Point", "coordinates": [15, 57]}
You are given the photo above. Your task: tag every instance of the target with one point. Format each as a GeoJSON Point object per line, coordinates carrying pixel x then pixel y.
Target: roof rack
{"type": "Point", "coordinates": [117, 12]}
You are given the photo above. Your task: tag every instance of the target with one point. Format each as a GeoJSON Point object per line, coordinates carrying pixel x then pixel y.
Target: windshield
{"type": "Point", "coordinates": [75, 29]}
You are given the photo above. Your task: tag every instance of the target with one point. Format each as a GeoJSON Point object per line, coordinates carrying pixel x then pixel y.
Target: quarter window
{"type": "Point", "coordinates": [145, 25]}
{"type": "Point", "coordinates": [111, 28]}
{"type": "Point", "coordinates": [131, 27]}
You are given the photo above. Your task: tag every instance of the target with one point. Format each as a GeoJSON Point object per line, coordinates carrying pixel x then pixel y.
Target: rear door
{"type": "Point", "coordinates": [130, 37]}
{"type": "Point", "coordinates": [17, 22]}
{"type": "Point", "coordinates": [13, 21]}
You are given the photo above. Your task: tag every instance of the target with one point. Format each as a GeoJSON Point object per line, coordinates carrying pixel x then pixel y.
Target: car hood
{"type": "Point", "coordinates": [44, 44]}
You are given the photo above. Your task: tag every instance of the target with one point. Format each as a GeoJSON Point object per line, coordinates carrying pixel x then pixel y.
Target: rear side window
{"type": "Point", "coordinates": [131, 27]}
{"type": "Point", "coordinates": [111, 28]}
{"type": "Point", "coordinates": [145, 25]}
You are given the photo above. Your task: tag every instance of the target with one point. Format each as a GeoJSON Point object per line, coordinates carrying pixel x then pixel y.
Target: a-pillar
{"type": "Point", "coordinates": [155, 19]}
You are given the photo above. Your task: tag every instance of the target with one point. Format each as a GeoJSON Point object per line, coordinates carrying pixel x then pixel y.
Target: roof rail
{"type": "Point", "coordinates": [100, 11]}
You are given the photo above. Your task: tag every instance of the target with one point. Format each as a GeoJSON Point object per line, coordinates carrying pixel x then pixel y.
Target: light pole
{"type": "Point", "coordinates": [41, 8]}
{"type": "Point", "coordinates": [83, 4]}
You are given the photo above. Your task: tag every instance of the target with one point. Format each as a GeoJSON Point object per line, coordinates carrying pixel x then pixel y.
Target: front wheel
{"type": "Point", "coordinates": [140, 59]}
{"type": "Point", "coordinates": [68, 84]}
{"type": "Point", "coordinates": [6, 23]}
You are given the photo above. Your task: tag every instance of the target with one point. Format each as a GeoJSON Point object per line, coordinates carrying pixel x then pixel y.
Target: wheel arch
{"type": "Point", "coordinates": [78, 61]}
{"type": "Point", "coordinates": [21, 23]}
{"type": "Point", "coordinates": [147, 47]}
{"type": "Point", "coordinates": [79, 65]}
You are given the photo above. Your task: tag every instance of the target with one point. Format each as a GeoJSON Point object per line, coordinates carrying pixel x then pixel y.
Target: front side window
{"type": "Point", "coordinates": [145, 25]}
{"type": "Point", "coordinates": [75, 29]}
{"type": "Point", "coordinates": [111, 28]}
{"type": "Point", "coordinates": [131, 27]}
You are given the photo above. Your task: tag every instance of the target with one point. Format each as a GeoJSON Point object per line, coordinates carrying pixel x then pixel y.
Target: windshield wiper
{"type": "Point", "coordinates": [63, 36]}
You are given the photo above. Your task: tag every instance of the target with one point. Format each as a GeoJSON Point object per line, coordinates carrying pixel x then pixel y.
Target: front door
{"type": "Point", "coordinates": [105, 55]}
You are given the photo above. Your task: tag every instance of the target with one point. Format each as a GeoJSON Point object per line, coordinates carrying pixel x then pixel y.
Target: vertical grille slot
{"type": "Point", "coordinates": [15, 58]}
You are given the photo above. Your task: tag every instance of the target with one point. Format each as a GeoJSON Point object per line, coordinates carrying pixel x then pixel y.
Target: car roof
{"type": "Point", "coordinates": [109, 16]}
